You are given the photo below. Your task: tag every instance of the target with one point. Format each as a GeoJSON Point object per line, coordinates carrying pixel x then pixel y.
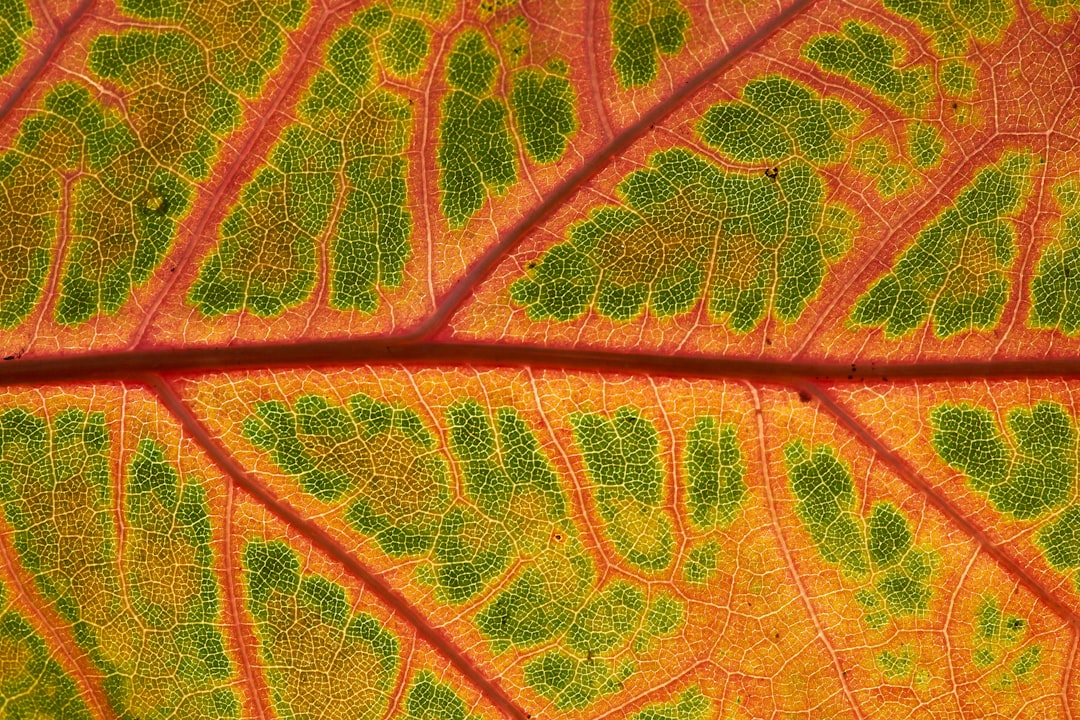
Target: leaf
{"type": "Point", "coordinates": [651, 359]}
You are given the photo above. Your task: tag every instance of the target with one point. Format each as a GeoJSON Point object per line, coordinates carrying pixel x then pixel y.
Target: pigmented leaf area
{"type": "Point", "coordinates": [539, 359]}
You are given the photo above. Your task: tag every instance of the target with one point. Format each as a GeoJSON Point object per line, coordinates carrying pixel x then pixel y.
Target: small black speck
{"type": "Point", "coordinates": [955, 105]}
{"type": "Point", "coordinates": [850, 377]}
{"type": "Point", "coordinates": [884, 379]}
{"type": "Point", "coordinates": [804, 396]}
{"type": "Point", "coordinates": [531, 264]}
{"type": "Point", "coordinates": [772, 173]}
{"type": "Point", "coordinates": [10, 357]}
{"type": "Point", "coordinates": [768, 342]}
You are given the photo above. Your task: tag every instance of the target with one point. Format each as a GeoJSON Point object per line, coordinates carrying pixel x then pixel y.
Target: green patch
{"type": "Point", "coordinates": [995, 631]}
{"type": "Point", "coordinates": [882, 546]}
{"type": "Point", "coordinates": [953, 24]}
{"type": "Point", "coordinates": [15, 25]}
{"type": "Point", "coordinates": [122, 209]}
{"type": "Point", "coordinates": [244, 40]}
{"type": "Point", "coordinates": [351, 128]}
{"type": "Point", "coordinates": [513, 39]}
{"type": "Point", "coordinates": [896, 665]}
{"type": "Point", "coordinates": [664, 617]}
{"type": "Point", "coordinates": [891, 175]}
{"type": "Point", "coordinates": [761, 241]}
{"type": "Point", "coordinates": [378, 457]}
{"type": "Point", "coordinates": [925, 145]}
{"type": "Point", "coordinates": [868, 57]}
{"type": "Point", "coordinates": [321, 658]}
{"type": "Point", "coordinates": [1025, 475]}
{"type": "Point", "coordinates": [1055, 301]}
{"type": "Point", "coordinates": [572, 683]}
{"type": "Point", "coordinates": [176, 107]}
{"type": "Point", "coordinates": [542, 103]}
{"type": "Point", "coordinates": [1060, 542]}
{"type": "Point", "coordinates": [1057, 11]}
{"type": "Point", "coordinates": [538, 605]}
{"type": "Point", "coordinates": [701, 562]}
{"type": "Point", "coordinates": [405, 46]}
{"type": "Point", "coordinates": [428, 699]}
{"type": "Point", "coordinates": [622, 457]}
{"type": "Point", "coordinates": [608, 620]}
{"type": "Point", "coordinates": [158, 646]}
{"type": "Point", "coordinates": [32, 683]}
{"type": "Point", "coordinates": [642, 30]}
{"type": "Point", "coordinates": [476, 154]}
{"type": "Point", "coordinates": [714, 469]}
{"type": "Point", "coordinates": [956, 272]}
{"type": "Point", "coordinates": [690, 705]}
{"type": "Point", "coordinates": [958, 79]}
{"type": "Point", "coordinates": [776, 119]}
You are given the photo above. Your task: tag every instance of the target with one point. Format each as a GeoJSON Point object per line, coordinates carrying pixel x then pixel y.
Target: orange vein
{"type": "Point", "coordinates": [323, 541]}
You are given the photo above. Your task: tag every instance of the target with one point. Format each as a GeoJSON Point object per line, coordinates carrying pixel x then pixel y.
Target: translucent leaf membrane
{"type": "Point", "coordinates": [592, 540]}
{"type": "Point", "coordinates": [1004, 454]}
{"type": "Point", "coordinates": [865, 184]}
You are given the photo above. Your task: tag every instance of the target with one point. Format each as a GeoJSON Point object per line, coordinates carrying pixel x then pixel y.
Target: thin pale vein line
{"type": "Point", "coordinates": [459, 293]}
{"type": "Point", "coordinates": [917, 483]}
{"type": "Point", "coordinates": [323, 541]}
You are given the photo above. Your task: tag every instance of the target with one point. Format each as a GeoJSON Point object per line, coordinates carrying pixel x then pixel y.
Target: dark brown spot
{"type": "Point", "coordinates": [804, 396]}
{"type": "Point", "coordinates": [772, 172]}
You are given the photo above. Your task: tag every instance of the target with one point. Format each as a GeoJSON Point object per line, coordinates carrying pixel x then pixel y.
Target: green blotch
{"type": "Point", "coordinates": [956, 272]}
{"type": "Point", "coordinates": [866, 56]}
{"type": "Point", "coordinates": [768, 241]}
{"type": "Point", "coordinates": [350, 127]}
{"type": "Point", "coordinates": [1060, 542]}
{"type": "Point", "coordinates": [608, 620]}
{"type": "Point", "coordinates": [321, 659]}
{"type": "Point", "coordinates": [428, 699]}
{"type": "Point", "coordinates": [994, 630]}
{"type": "Point", "coordinates": [537, 606]}
{"type": "Point", "coordinates": [1027, 662]}
{"type": "Point", "coordinates": [1023, 478]}
{"type": "Point", "coordinates": [715, 471]}
{"type": "Point", "coordinates": [243, 40]}
{"type": "Point", "coordinates": [622, 456]}
{"type": "Point", "coordinates": [32, 684]}
{"type": "Point", "coordinates": [122, 216]}
{"type": "Point", "coordinates": [690, 705]}
{"type": "Point", "coordinates": [826, 502]}
{"type": "Point", "coordinates": [640, 31]}
{"type": "Point", "coordinates": [405, 46]}
{"type": "Point", "coordinates": [543, 108]}
{"type": "Point", "coordinates": [891, 175]}
{"type": "Point", "coordinates": [664, 616]}
{"type": "Point", "coordinates": [778, 118]}
{"type": "Point", "coordinates": [925, 145]}
{"type": "Point", "coordinates": [15, 24]}
{"type": "Point", "coordinates": [952, 24]}
{"type": "Point", "coordinates": [1055, 300]}
{"type": "Point", "coordinates": [573, 683]}
{"type": "Point", "coordinates": [475, 150]}
{"type": "Point", "coordinates": [159, 646]}
{"type": "Point", "coordinates": [896, 665]}
{"type": "Point", "coordinates": [177, 108]}
{"type": "Point", "coordinates": [825, 497]}
{"type": "Point", "coordinates": [378, 456]}
{"type": "Point", "coordinates": [958, 79]}
{"type": "Point", "coordinates": [1057, 11]}
{"type": "Point", "coordinates": [467, 555]}
{"type": "Point", "coordinates": [701, 562]}
{"type": "Point", "coordinates": [513, 39]}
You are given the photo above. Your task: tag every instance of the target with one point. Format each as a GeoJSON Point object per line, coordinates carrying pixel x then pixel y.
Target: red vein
{"type": "Point", "coordinates": [244, 638]}
{"type": "Point", "coordinates": [74, 659]}
{"type": "Point", "coordinates": [459, 293]}
{"type": "Point", "coordinates": [312, 34]}
{"type": "Point", "coordinates": [119, 365]}
{"type": "Point", "coordinates": [323, 541]}
{"type": "Point", "coordinates": [47, 54]}
{"type": "Point", "coordinates": [943, 505]}
{"type": "Point", "coordinates": [789, 561]}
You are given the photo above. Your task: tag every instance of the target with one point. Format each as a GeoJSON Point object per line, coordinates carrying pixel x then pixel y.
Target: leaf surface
{"type": "Point", "coordinates": [651, 359]}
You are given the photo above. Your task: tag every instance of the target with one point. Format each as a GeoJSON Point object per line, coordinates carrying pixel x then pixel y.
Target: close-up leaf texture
{"type": "Point", "coordinates": [540, 359]}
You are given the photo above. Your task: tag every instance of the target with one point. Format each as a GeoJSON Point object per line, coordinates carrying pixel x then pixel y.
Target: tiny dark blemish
{"type": "Point", "coordinates": [531, 264]}
{"type": "Point", "coordinates": [804, 396]}
{"type": "Point", "coordinates": [768, 342]}
{"type": "Point", "coordinates": [10, 357]}
{"type": "Point", "coordinates": [850, 377]}
{"type": "Point", "coordinates": [772, 173]}
{"type": "Point", "coordinates": [955, 105]}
